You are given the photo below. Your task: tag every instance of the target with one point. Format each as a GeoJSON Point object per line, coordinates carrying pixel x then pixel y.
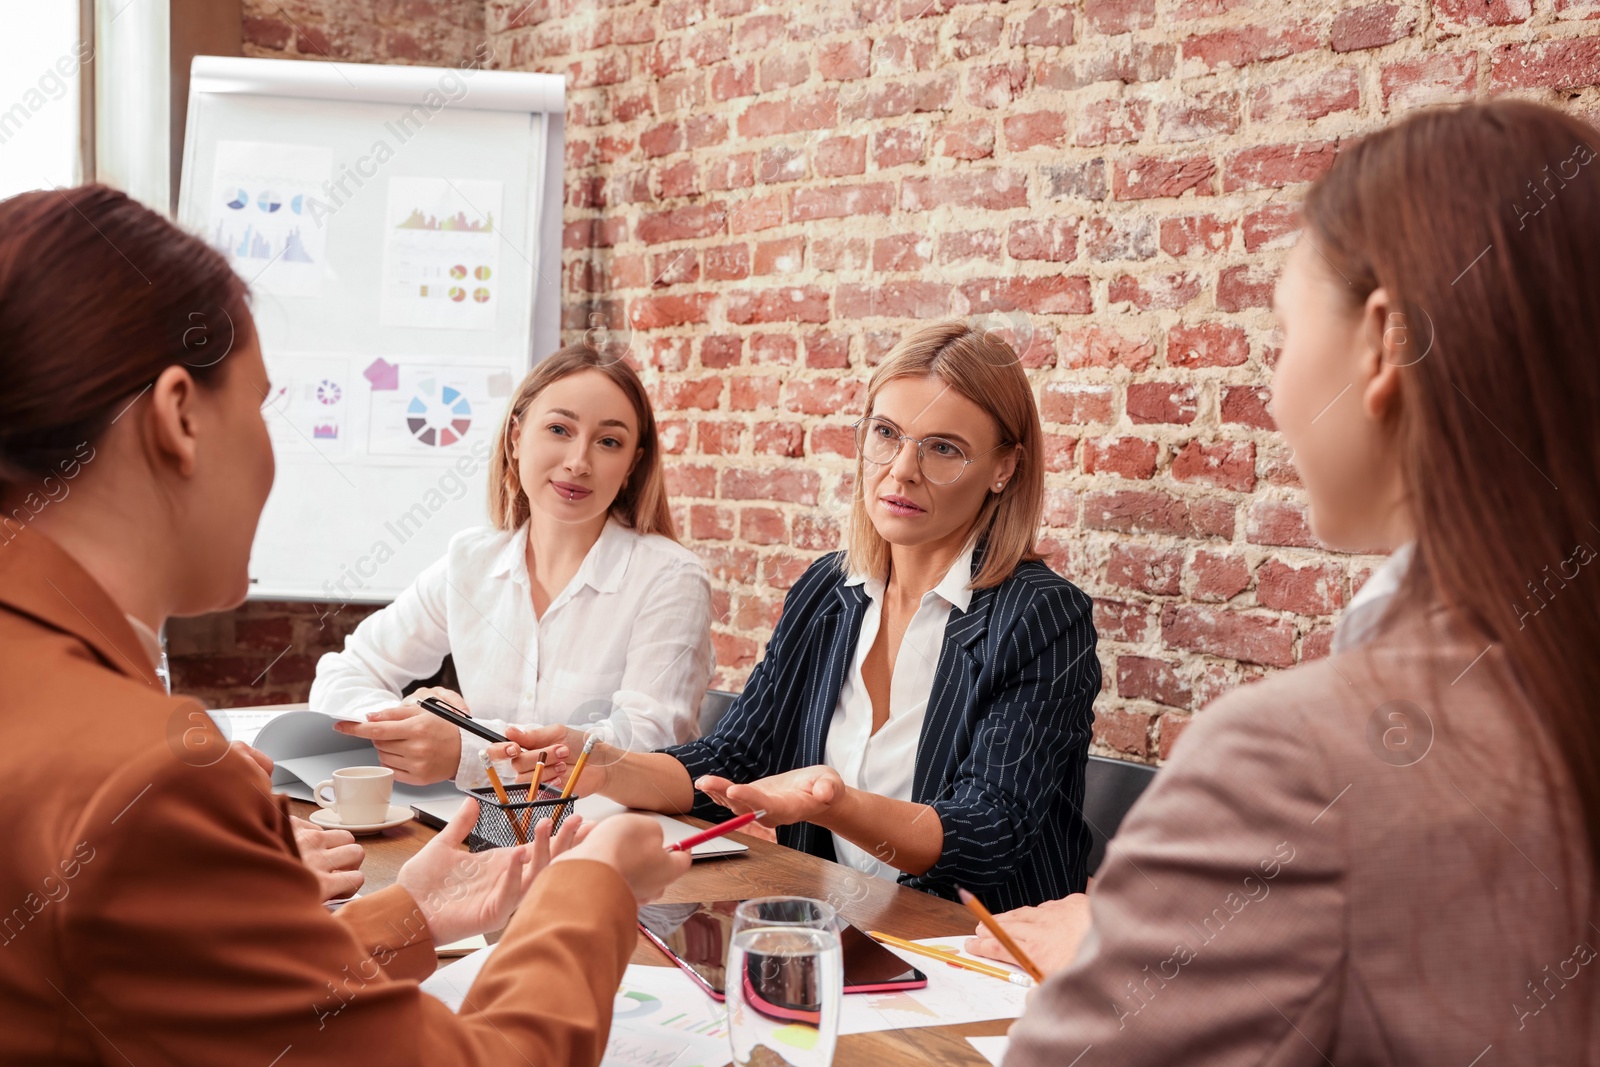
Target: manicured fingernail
{"type": "Point", "coordinates": [512, 751]}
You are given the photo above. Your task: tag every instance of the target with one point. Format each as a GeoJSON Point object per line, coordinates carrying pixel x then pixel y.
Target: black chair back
{"type": "Point", "coordinates": [1110, 787]}
{"type": "Point", "coordinates": [713, 707]}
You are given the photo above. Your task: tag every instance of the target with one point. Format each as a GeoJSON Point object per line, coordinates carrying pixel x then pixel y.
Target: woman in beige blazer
{"type": "Point", "coordinates": [153, 909]}
{"type": "Point", "coordinates": [1389, 856]}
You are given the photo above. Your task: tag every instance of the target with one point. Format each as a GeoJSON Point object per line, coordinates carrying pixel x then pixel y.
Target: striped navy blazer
{"type": "Point", "coordinates": [1004, 744]}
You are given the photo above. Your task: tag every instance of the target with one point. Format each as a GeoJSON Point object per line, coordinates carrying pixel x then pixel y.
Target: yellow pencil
{"type": "Point", "coordinates": [577, 768]}
{"type": "Point", "coordinates": [990, 923]}
{"type": "Point", "coordinates": [534, 788]}
{"type": "Point", "coordinates": [952, 959]}
{"type": "Point", "coordinates": [500, 792]}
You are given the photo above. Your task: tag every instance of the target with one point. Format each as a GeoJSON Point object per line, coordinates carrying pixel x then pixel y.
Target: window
{"type": "Point", "coordinates": [40, 60]}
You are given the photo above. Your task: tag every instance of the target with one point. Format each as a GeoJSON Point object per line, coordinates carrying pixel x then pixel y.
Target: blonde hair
{"type": "Point", "coordinates": [984, 369]}
{"type": "Point", "coordinates": [641, 503]}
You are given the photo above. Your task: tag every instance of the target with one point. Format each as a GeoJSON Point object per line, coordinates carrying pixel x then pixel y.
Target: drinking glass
{"type": "Point", "coordinates": [784, 981]}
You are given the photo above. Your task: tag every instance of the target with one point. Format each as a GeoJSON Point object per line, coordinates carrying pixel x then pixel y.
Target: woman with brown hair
{"type": "Point", "coordinates": [1389, 856]}
{"type": "Point", "coordinates": [924, 708]}
{"type": "Point", "coordinates": [578, 606]}
{"type": "Point", "coordinates": [154, 907]}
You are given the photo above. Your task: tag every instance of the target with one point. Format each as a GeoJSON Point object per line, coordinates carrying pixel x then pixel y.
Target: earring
{"type": "Point", "coordinates": [999, 486]}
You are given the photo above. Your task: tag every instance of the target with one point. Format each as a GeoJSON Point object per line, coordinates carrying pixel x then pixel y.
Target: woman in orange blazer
{"type": "Point", "coordinates": [1389, 856]}
{"type": "Point", "coordinates": [152, 905]}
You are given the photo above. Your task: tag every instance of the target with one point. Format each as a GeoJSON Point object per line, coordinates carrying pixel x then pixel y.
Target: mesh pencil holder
{"type": "Point", "coordinates": [494, 828]}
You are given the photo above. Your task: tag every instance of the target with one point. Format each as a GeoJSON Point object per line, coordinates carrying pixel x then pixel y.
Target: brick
{"type": "Point", "coordinates": [682, 224]}
{"type": "Point", "coordinates": [662, 139]}
{"type": "Point", "coordinates": [1208, 344]}
{"type": "Point", "coordinates": [1271, 226]}
{"type": "Point", "coordinates": [811, 111]}
{"type": "Point", "coordinates": [839, 253]}
{"type": "Point", "coordinates": [1246, 286]}
{"type": "Point", "coordinates": [721, 351]}
{"type": "Point", "coordinates": [1071, 403]}
{"type": "Point", "coordinates": [680, 394]}
{"type": "Point", "coordinates": [1249, 45]}
{"type": "Point", "coordinates": [1115, 120]}
{"type": "Point", "coordinates": [774, 349]}
{"type": "Point", "coordinates": [996, 86]}
{"type": "Point", "coordinates": [733, 172]}
{"type": "Point", "coordinates": [1195, 235]}
{"type": "Point", "coordinates": [750, 394]}
{"type": "Point", "coordinates": [1053, 239]}
{"type": "Point", "coordinates": [1570, 63]}
{"type": "Point", "coordinates": [1117, 620]}
{"type": "Point", "coordinates": [960, 246]}
{"type": "Point", "coordinates": [1128, 62]}
{"type": "Point", "coordinates": [1274, 166]}
{"type": "Point", "coordinates": [679, 180]}
{"type": "Point", "coordinates": [1119, 16]}
{"type": "Point", "coordinates": [1316, 644]}
{"type": "Point", "coordinates": [824, 396]}
{"type": "Point", "coordinates": [786, 484]}
{"type": "Point", "coordinates": [1309, 589]}
{"type": "Point", "coordinates": [1054, 294]}
{"type": "Point", "coordinates": [893, 299]}
{"type": "Point", "coordinates": [842, 201]}
{"type": "Point", "coordinates": [966, 140]}
{"type": "Point", "coordinates": [727, 263]}
{"type": "Point", "coordinates": [1155, 292]}
{"type": "Point", "coordinates": [1084, 181]}
{"type": "Point", "coordinates": [1158, 680]}
{"type": "Point", "coordinates": [1050, 26]}
{"type": "Point", "coordinates": [976, 38]}
{"type": "Point", "coordinates": [833, 440]}
{"type": "Point", "coordinates": [762, 526]}
{"type": "Point", "coordinates": [783, 70]}
{"type": "Point", "coordinates": [1127, 457]}
{"type": "Point", "coordinates": [1247, 404]}
{"type": "Point", "coordinates": [267, 33]}
{"type": "Point", "coordinates": [784, 255]}
{"type": "Point", "coordinates": [814, 533]}
{"type": "Point", "coordinates": [1217, 576]}
{"type": "Point", "coordinates": [1439, 78]}
{"type": "Point", "coordinates": [656, 312]}
{"type": "Point", "coordinates": [1124, 730]}
{"type": "Point", "coordinates": [1236, 635]}
{"type": "Point", "coordinates": [730, 81]}
{"type": "Point", "coordinates": [844, 60]}
{"type": "Point", "coordinates": [1150, 512]}
{"type": "Point", "coordinates": [1099, 346]}
{"type": "Point", "coordinates": [781, 163]}
{"type": "Point", "coordinates": [1219, 464]}
{"type": "Point", "coordinates": [1035, 129]}
{"type": "Point", "coordinates": [1466, 14]}
{"type": "Point", "coordinates": [1279, 522]}
{"type": "Point", "coordinates": [899, 145]}
{"type": "Point", "coordinates": [787, 304]}
{"type": "Point", "coordinates": [991, 189]}
{"type": "Point", "coordinates": [759, 32]}
{"type": "Point", "coordinates": [1162, 402]}
{"type": "Point", "coordinates": [1199, 117]}
{"type": "Point", "coordinates": [1126, 236]}
{"type": "Point", "coordinates": [719, 438]}
{"type": "Point", "coordinates": [827, 350]}
{"type": "Point", "coordinates": [1372, 26]}
{"type": "Point", "coordinates": [668, 353]}
{"type": "Point", "coordinates": [674, 268]}
{"type": "Point", "coordinates": [1144, 177]}
{"type": "Point", "coordinates": [1307, 97]}
{"type": "Point", "coordinates": [838, 157]}
{"type": "Point", "coordinates": [781, 570]}
{"type": "Point", "coordinates": [902, 252]}
{"type": "Point", "coordinates": [1060, 453]}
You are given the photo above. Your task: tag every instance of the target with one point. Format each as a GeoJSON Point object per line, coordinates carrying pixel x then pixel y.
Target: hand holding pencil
{"type": "Point", "coordinates": [1048, 934]}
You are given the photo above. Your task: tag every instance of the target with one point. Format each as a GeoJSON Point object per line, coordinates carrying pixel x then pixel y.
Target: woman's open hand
{"type": "Point", "coordinates": [807, 794]}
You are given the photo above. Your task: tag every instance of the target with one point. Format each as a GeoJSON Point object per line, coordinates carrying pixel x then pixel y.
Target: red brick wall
{"type": "Point", "coordinates": [766, 196]}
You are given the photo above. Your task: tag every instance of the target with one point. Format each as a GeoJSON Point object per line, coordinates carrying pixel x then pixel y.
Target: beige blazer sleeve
{"type": "Point", "coordinates": [1217, 916]}
{"type": "Point", "coordinates": [193, 936]}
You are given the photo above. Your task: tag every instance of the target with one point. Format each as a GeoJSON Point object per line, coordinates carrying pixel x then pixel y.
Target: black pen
{"type": "Point", "coordinates": [454, 716]}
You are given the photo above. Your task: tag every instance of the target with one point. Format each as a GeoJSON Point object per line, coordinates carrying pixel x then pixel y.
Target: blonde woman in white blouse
{"type": "Point", "coordinates": [577, 607]}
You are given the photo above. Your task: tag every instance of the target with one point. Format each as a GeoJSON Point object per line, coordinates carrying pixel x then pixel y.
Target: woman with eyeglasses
{"type": "Point", "coordinates": [924, 708]}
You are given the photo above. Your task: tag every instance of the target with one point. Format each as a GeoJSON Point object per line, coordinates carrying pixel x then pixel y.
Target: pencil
{"type": "Point", "coordinates": [500, 791]}
{"type": "Point", "coordinates": [533, 791]}
{"type": "Point", "coordinates": [952, 959]}
{"type": "Point", "coordinates": [688, 843]}
{"type": "Point", "coordinates": [577, 768]}
{"type": "Point", "coordinates": [991, 924]}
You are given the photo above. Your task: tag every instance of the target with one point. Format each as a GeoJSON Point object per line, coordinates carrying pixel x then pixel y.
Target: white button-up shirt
{"type": "Point", "coordinates": [624, 649]}
{"type": "Point", "coordinates": [1362, 615]}
{"type": "Point", "coordinates": [885, 763]}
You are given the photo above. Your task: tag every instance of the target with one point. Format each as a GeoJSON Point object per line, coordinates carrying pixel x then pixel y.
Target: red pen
{"type": "Point", "coordinates": [716, 831]}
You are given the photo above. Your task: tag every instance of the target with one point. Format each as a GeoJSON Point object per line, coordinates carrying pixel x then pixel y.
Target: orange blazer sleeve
{"type": "Point", "coordinates": [194, 936]}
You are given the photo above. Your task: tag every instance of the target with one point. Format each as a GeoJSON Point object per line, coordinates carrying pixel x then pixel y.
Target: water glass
{"type": "Point", "coordinates": [785, 979]}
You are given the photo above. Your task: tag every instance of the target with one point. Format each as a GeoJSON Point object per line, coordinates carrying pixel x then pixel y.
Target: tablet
{"type": "Point", "coordinates": [696, 936]}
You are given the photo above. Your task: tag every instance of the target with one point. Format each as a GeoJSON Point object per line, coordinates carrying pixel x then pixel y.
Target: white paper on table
{"type": "Point", "coordinates": [953, 995]}
{"type": "Point", "coordinates": [595, 808]}
{"type": "Point", "coordinates": [306, 749]}
{"type": "Point", "coordinates": [992, 1049]}
{"type": "Point", "coordinates": [264, 214]}
{"type": "Point", "coordinates": [441, 253]}
{"type": "Point", "coordinates": [659, 1018]}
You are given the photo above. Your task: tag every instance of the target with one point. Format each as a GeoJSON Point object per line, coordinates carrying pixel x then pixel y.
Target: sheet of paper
{"type": "Point", "coordinates": [992, 1049]}
{"type": "Point", "coordinates": [953, 995]}
{"type": "Point", "coordinates": [263, 214]}
{"type": "Point", "coordinates": [441, 253]}
{"type": "Point", "coordinates": [436, 411]}
{"type": "Point", "coordinates": [659, 1019]}
{"type": "Point", "coordinates": [243, 724]}
{"type": "Point", "coordinates": [595, 808]}
{"type": "Point", "coordinates": [308, 409]}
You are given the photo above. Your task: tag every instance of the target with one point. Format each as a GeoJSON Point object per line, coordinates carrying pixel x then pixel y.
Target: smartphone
{"type": "Point", "coordinates": [696, 936]}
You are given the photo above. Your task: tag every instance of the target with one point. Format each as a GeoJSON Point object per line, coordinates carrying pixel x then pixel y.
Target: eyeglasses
{"type": "Point", "coordinates": [941, 460]}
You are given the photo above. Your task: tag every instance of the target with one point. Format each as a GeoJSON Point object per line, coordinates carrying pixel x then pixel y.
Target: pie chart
{"type": "Point", "coordinates": [328, 391]}
{"type": "Point", "coordinates": [269, 201]}
{"type": "Point", "coordinates": [438, 416]}
{"type": "Point", "coordinates": [631, 1004]}
{"type": "Point", "coordinates": [238, 198]}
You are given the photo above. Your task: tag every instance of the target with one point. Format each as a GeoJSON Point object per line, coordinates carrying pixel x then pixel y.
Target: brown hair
{"type": "Point", "coordinates": [98, 295]}
{"type": "Point", "coordinates": [642, 502]}
{"type": "Point", "coordinates": [984, 369]}
{"type": "Point", "coordinates": [1480, 224]}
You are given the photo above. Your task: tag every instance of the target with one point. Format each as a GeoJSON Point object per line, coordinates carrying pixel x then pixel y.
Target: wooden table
{"type": "Point", "coordinates": [770, 869]}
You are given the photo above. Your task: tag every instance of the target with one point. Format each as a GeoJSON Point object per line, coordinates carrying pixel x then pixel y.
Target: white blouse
{"type": "Point", "coordinates": [624, 650]}
{"type": "Point", "coordinates": [885, 763]}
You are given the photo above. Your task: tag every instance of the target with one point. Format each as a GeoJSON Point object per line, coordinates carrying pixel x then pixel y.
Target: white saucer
{"type": "Point", "coordinates": [328, 819]}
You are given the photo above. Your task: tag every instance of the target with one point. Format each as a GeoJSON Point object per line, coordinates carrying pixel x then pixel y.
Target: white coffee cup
{"type": "Point", "coordinates": [360, 794]}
